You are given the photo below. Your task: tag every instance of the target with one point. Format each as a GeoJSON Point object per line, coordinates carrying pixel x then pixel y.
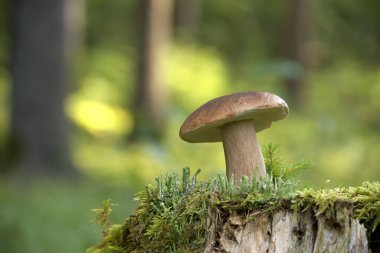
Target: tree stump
{"type": "Point", "coordinates": [289, 231]}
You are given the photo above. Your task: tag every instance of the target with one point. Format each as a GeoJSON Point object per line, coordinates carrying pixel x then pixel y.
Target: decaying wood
{"type": "Point", "coordinates": [288, 231]}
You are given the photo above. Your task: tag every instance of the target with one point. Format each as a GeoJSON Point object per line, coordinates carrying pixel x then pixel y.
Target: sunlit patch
{"type": "Point", "coordinates": [195, 75]}
{"type": "Point", "coordinates": [99, 118]}
{"type": "Point", "coordinates": [338, 162]}
{"type": "Point", "coordinates": [133, 164]}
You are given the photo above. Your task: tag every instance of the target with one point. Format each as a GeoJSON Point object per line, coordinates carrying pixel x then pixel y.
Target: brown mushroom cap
{"type": "Point", "coordinates": [203, 125]}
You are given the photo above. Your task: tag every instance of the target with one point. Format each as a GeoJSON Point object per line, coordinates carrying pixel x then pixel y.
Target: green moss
{"type": "Point", "coordinates": [365, 199]}
{"type": "Point", "coordinates": [172, 215]}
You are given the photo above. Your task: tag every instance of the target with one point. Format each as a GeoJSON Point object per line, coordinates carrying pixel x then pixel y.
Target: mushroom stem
{"type": "Point", "coordinates": [242, 151]}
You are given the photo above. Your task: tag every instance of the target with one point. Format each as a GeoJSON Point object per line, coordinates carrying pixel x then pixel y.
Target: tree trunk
{"type": "Point", "coordinates": [187, 18]}
{"type": "Point", "coordinates": [42, 44]}
{"type": "Point", "coordinates": [298, 35]}
{"type": "Point", "coordinates": [288, 231]}
{"type": "Point", "coordinates": [150, 96]}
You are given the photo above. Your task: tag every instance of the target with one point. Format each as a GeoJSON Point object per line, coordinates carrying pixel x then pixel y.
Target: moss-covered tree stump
{"type": "Point", "coordinates": [180, 215]}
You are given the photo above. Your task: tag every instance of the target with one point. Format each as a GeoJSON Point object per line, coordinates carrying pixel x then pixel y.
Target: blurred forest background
{"type": "Point", "coordinates": [92, 95]}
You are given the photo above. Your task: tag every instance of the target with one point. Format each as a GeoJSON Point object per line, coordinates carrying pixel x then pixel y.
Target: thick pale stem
{"type": "Point", "coordinates": [242, 151]}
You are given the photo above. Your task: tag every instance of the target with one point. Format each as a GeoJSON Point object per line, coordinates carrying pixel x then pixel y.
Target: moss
{"type": "Point", "coordinates": [365, 199]}
{"type": "Point", "coordinates": [173, 215]}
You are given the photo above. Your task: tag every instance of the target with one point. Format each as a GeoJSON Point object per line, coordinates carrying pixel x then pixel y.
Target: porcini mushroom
{"type": "Point", "coordinates": [235, 119]}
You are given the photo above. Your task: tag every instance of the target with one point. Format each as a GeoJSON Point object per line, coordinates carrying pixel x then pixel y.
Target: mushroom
{"type": "Point", "coordinates": [235, 119]}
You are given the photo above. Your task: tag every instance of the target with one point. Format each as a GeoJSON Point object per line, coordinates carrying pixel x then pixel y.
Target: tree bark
{"type": "Point", "coordinates": [187, 19]}
{"type": "Point", "coordinates": [288, 231]}
{"type": "Point", "coordinates": [151, 94]}
{"type": "Point", "coordinates": [41, 47]}
{"type": "Point", "coordinates": [298, 34]}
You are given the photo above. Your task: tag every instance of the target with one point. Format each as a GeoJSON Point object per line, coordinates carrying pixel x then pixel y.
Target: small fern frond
{"type": "Point", "coordinates": [276, 168]}
{"type": "Point", "coordinates": [297, 167]}
{"type": "Point", "coordinates": [273, 161]}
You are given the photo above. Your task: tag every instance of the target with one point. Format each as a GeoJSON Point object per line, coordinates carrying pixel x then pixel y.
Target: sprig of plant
{"type": "Point", "coordinates": [102, 214]}
{"type": "Point", "coordinates": [273, 162]}
{"type": "Point", "coordinates": [112, 234]}
{"type": "Point", "coordinates": [276, 168]}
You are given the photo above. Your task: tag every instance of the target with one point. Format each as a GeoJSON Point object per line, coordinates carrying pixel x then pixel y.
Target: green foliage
{"type": "Point", "coordinates": [54, 216]}
{"type": "Point", "coordinates": [203, 77]}
{"type": "Point", "coordinates": [275, 165]}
